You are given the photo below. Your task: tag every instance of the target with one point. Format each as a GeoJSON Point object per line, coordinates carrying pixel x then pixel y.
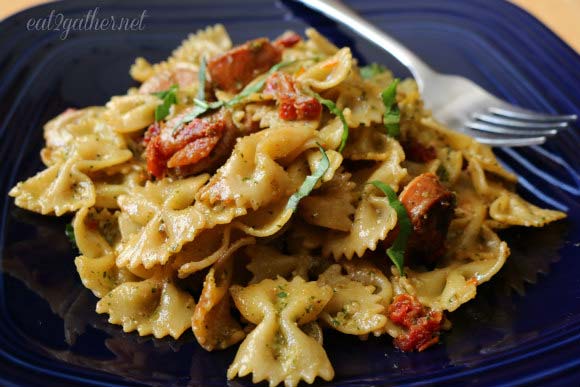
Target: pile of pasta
{"type": "Point", "coordinates": [222, 253]}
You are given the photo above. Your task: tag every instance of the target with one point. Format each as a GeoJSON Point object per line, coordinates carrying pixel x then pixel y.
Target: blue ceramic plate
{"type": "Point", "coordinates": [524, 326]}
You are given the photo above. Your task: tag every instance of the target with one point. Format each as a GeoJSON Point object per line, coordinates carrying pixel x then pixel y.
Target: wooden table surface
{"type": "Point", "coordinates": [562, 16]}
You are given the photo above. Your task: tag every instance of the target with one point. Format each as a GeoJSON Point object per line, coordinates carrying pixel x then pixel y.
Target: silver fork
{"type": "Point", "coordinates": [455, 101]}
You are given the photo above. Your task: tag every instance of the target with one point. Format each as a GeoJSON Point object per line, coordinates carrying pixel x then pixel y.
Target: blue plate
{"type": "Point", "coordinates": [524, 326]}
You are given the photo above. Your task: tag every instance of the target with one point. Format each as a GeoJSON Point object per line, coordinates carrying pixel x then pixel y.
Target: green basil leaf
{"type": "Point", "coordinates": [199, 108]}
{"type": "Point", "coordinates": [371, 70]}
{"type": "Point", "coordinates": [310, 182]}
{"type": "Point", "coordinates": [70, 234]}
{"type": "Point", "coordinates": [397, 251]}
{"type": "Point", "coordinates": [168, 98]}
{"type": "Point", "coordinates": [331, 106]}
{"type": "Point", "coordinates": [201, 80]}
{"type": "Point", "coordinates": [257, 86]}
{"type": "Point", "coordinates": [392, 116]}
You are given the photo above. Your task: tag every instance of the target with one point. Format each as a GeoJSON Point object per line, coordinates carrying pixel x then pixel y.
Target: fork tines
{"type": "Point", "coordinates": [531, 127]}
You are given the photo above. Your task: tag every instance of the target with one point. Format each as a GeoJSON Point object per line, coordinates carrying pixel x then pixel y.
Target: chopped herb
{"type": "Point", "coordinates": [201, 80]}
{"type": "Point", "coordinates": [371, 70]}
{"type": "Point", "coordinates": [282, 295]}
{"type": "Point", "coordinates": [442, 173]}
{"type": "Point", "coordinates": [201, 106]}
{"type": "Point", "coordinates": [153, 290]}
{"type": "Point", "coordinates": [310, 181]}
{"type": "Point", "coordinates": [70, 234]}
{"type": "Point", "coordinates": [392, 115]}
{"type": "Point", "coordinates": [169, 98]}
{"type": "Point", "coordinates": [331, 106]}
{"type": "Point", "coordinates": [397, 251]}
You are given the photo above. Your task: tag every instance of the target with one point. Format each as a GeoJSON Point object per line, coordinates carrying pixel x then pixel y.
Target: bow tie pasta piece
{"type": "Point", "coordinates": [331, 206]}
{"type": "Point", "coordinates": [374, 217]}
{"type": "Point", "coordinates": [57, 190]}
{"type": "Point", "coordinates": [354, 309]}
{"type": "Point", "coordinates": [368, 143]}
{"type": "Point", "coordinates": [268, 262]}
{"type": "Point", "coordinates": [331, 133]}
{"type": "Point", "coordinates": [108, 188]}
{"type": "Point", "coordinates": [153, 306]}
{"type": "Point", "coordinates": [65, 186]}
{"type": "Point", "coordinates": [213, 324]}
{"type": "Point", "coordinates": [267, 221]}
{"type": "Point", "coordinates": [388, 171]}
{"type": "Point", "coordinates": [167, 218]}
{"type": "Point", "coordinates": [96, 234]}
{"type": "Point", "coordinates": [329, 72]}
{"type": "Point", "coordinates": [315, 47]}
{"type": "Point", "coordinates": [131, 113]}
{"type": "Point", "coordinates": [253, 177]}
{"type": "Point", "coordinates": [198, 255]}
{"type": "Point", "coordinates": [369, 275]}
{"type": "Point", "coordinates": [361, 99]}
{"type": "Point", "coordinates": [101, 275]}
{"type": "Point", "coordinates": [78, 144]}
{"type": "Point", "coordinates": [208, 43]}
{"type": "Point", "coordinates": [319, 43]}
{"type": "Point", "coordinates": [510, 209]}
{"type": "Point", "coordinates": [372, 210]}
{"type": "Point", "coordinates": [95, 155]}
{"type": "Point", "coordinates": [277, 350]}
{"type": "Point", "coordinates": [60, 132]}
{"type": "Point", "coordinates": [472, 150]}
{"type": "Point", "coordinates": [84, 135]}
{"type": "Point", "coordinates": [505, 207]}
{"type": "Point", "coordinates": [452, 285]}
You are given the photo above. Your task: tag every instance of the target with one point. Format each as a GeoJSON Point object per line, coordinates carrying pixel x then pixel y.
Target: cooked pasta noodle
{"type": "Point", "coordinates": [237, 174]}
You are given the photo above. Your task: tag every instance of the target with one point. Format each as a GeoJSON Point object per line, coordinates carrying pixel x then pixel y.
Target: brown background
{"type": "Point", "coordinates": [562, 16]}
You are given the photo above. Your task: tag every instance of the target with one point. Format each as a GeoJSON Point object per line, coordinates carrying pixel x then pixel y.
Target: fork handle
{"type": "Point", "coordinates": [344, 15]}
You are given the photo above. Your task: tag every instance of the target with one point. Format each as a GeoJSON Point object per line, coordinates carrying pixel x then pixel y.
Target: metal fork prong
{"type": "Point", "coordinates": [492, 128]}
{"type": "Point", "coordinates": [532, 116]}
{"type": "Point", "coordinates": [515, 123]}
{"type": "Point", "coordinates": [511, 142]}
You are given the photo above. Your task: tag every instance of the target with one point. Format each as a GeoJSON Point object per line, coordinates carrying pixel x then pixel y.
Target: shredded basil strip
{"type": "Point", "coordinates": [392, 114]}
{"type": "Point", "coordinates": [397, 251]}
{"type": "Point", "coordinates": [310, 182]}
{"type": "Point", "coordinates": [371, 70]}
{"type": "Point", "coordinates": [331, 106]}
{"type": "Point", "coordinates": [200, 105]}
{"type": "Point", "coordinates": [169, 98]}
{"type": "Point", "coordinates": [70, 234]}
{"type": "Point", "coordinates": [257, 86]}
{"type": "Point", "coordinates": [201, 80]}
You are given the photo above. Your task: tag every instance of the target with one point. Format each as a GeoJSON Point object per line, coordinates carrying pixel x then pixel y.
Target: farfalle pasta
{"type": "Point", "coordinates": [263, 193]}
